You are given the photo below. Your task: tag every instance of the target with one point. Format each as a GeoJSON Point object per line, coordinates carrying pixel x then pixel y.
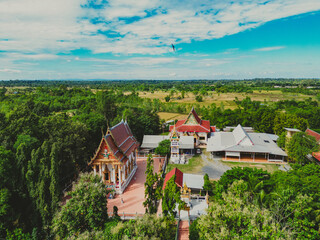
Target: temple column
{"type": "Point", "coordinates": [124, 172]}
{"type": "Point", "coordinates": [100, 169]}
{"type": "Point", "coordinates": [94, 170]}
{"type": "Point", "coordinates": [113, 175]}
{"type": "Point", "coordinates": [119, 172]}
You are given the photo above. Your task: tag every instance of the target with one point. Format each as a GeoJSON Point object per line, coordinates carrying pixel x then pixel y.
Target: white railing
{"type": "Point", "coordinates": [127, 216]}
{"type": "Point", "coordinates": [126, 182]}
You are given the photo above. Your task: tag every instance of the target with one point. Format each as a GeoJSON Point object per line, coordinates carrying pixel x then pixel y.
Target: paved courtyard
{"type": "Point", "coordinates": [215, 168]}
{"type": "Point", "coordinates": [130, 203]}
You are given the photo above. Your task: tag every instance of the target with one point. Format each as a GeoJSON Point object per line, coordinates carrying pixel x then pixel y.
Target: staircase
{"type": "Point", "coordinates": [183, 230]}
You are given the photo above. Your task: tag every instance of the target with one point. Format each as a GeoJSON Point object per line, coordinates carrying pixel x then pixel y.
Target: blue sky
{"type": "Point", "coordinates": [125, 39]}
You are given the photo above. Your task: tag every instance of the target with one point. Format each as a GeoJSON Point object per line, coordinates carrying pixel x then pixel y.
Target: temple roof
{"type": "Point", "coordinates": [313, 133]}
{"type": "Point", "coordinates": [178, 177]}
{"type": "Point", "coordinates": [192, 123]}
{"type": "Point", "coordinates": [120, 142]}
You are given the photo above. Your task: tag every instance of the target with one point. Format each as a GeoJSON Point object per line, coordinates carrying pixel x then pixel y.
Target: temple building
{"type": "Point", "coordinates": [186, 137]}
{"type": "Point", "coordinates": [115, 158]}
{"type": "Point", "coordinates": [194, 126]}
{"type": "Point", "coordinates": [240, 145]}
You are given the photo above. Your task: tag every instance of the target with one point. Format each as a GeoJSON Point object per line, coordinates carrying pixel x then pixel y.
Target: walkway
{"type": "Point", "coordinates": [183, 230]}
{"type": "Point", "coordinates": [214, 168]}
{"type": "Point", "coordinates": [130, 203]}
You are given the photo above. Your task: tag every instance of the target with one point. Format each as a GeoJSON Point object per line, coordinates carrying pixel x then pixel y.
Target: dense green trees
{"type": "Point", "coordinates": [164, 148]}
{"type": "Point", "coordinates": [283, 205]}
{"type": "Point", "coordinates": [48, 134]}
{"type": "Point", "coordinates": [234, 217]}
{"type": "Point", "coordinates": [299, 146]}
{"type": "Point", "coordinates": [85, 211]}
{"type": "Point", "coordinates": [147, 227]}
{"type": "Point", "coordinates": [171, 198]}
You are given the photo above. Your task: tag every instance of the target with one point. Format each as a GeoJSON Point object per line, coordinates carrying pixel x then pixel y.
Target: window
{"type": "Point", "coordinates": [267, 141]}
{"type": "Point", "coordinates": [202, 138]}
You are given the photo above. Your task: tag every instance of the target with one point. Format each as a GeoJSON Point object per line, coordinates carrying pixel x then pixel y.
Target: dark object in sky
{"type": "Point", "coordinates": [174, 49]}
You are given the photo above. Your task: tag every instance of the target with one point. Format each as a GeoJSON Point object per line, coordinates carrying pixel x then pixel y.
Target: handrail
{"type": "Point", "coordinates": [177, 231]}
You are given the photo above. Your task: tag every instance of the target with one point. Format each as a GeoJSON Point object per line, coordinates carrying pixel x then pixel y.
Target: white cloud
{"type": "Point", "coordinates": [266, 49]}
{"type": "Point", "coordinates": [45, 26]}
{"type": "Point", "coordinates": [6, 70]}
{"type": "Point", "coordinates": [32, 31]}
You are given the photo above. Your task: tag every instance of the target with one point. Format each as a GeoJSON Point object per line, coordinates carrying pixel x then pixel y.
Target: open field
{"type": "Point", "coordinates": [194, 165]}
{"type": "Point", "coordinates": [171, 116]}
{"type": "Point", "coordinates": [269, 167]}
{"type": "Point", "coordinates": [227, 99]}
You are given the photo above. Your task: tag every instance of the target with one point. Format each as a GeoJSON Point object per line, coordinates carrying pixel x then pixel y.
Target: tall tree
{"type": "Point", "coordinates": [85, 211]}
{"type": "Point", "coordinates": [171, 197]}
{"type": "Point", "coordinates": [152, 186]}
{"type": "Point", "coordinates": [163, 148]}
{"type": "Point", "coordinates": [300, 145]}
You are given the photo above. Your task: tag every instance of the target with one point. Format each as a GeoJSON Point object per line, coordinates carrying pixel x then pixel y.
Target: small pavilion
{"type": "Point", "coordinates": [115, 158]}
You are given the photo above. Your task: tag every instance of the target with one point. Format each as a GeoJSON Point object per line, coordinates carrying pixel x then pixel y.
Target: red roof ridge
{"type": "Point", "coordinates": [315, 134]}
{"type": "Point", "coordinates": [178, 177]}
{"type": "Point", "coordinates": [195, 115]}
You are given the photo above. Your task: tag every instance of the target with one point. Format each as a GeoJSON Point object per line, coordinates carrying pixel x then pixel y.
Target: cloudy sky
{"type": "Point", "coordinates": [131, 39]}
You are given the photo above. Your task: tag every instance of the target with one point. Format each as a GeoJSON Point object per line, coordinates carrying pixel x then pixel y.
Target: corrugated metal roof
{"type": "Point", "coordinates": [152, 141]}
{"type": "Point", "coordinates": [193, 181]}
{"type": "Point", "coordinates": [292, 129]}
{"type": "Point", "coordinates": [259, 143]}
{"type": "Point", "coordinates": [186, 142]}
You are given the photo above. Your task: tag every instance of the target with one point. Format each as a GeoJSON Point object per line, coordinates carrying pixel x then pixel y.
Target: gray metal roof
{"type": "Point", "coordinates": [186, 142]}
{"type": "Point", "coordinates": [273, 136]}
{"type": "Point", "coordinates": [152, 141]}
{"type": "Point", "coordinates": [292, 129]}
{"type": "Point", "coordinates": [240, 141]}
{"type": "Point", "coordinates": [193, 181]}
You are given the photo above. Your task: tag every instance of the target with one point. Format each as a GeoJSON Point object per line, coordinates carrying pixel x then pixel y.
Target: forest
{"type": "Point", "coordinates": [49, 130]}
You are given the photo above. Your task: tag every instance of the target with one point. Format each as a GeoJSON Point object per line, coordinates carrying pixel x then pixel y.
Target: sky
{"type": "Point", "coordinates": [125, 39]}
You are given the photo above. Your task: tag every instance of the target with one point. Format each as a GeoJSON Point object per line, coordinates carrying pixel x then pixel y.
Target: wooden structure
{"type": "Point", "coordinates": [115, 158]}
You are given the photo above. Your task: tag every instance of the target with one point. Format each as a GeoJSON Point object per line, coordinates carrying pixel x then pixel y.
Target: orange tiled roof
{"type": "Point", "coordinates": [178, 180]}
{"type": "Point", "coordinates": [313, 133]}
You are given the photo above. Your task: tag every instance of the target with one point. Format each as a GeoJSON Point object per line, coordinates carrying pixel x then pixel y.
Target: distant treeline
{"type": "Point", "coordinates": [179, 85]}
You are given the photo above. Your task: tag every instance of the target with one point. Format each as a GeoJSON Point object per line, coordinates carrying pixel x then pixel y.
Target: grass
{"type": "Point", "coordinates": [269, 167]}
{"type": "Point", "coordinates": [171, 116]}
{"type": "Point", "coordinates": [194, 165]}
{"type": "Point", "coordinates": [227, 98]}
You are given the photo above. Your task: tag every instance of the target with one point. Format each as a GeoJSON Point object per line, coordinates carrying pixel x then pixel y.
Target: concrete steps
{"type": "Point", "coordinates": [183, 230]}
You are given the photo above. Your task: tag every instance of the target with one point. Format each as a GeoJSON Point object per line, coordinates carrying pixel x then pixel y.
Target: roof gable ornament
{"type": "Point", "coordinates": [193, 118]}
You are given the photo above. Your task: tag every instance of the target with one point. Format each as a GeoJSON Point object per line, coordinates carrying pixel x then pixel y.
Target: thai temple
{"type": "Point", "coordinates": [115, 158]}
{"type": "Point", "coordinates": [185, 135]}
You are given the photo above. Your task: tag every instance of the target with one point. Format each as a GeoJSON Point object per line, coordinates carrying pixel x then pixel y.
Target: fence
{"type": "Point", "coordinates": [127, 216]}
{"type": "Point", "coordinates": [177, 230]}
